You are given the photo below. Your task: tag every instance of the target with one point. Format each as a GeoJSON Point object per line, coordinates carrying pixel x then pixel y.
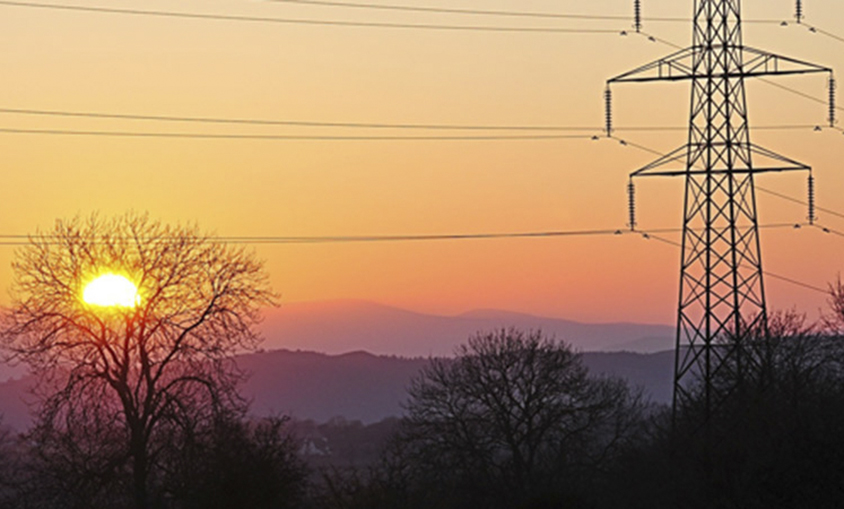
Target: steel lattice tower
{"type": "Point", "coordinates": [722, 297]}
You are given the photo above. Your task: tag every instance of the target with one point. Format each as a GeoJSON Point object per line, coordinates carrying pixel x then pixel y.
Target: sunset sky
{"type": "Point", "coordinates": [80, 61]}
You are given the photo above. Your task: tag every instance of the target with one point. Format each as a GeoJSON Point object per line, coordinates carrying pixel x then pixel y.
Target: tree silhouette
{"type": "Point", "coordinates": [112, 380]}
{"type": "Point", "coordinates": [232, 462]}
{"type": "Point", "coordinates": [775, 442]}
{"type": "Point", "coordinates": [834, 321]}
{"type": "Point", "coordinates": [9, 466]}
{"type": "Point", "coordinates": [513, 419]}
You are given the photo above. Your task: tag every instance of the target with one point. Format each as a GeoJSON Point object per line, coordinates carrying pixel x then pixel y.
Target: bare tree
{"type": "Point", "coordinates": [775, 440]}
{"type": "Point", "coordinates": [127, 373]}
{"type": "Point", "coordinates": [834, 321]}
{"type": "Point", "coordinates": [515, 416]}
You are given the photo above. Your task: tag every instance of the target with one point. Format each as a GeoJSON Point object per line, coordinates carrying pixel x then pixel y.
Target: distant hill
{"type": "Point", "coordinates": [652, 372]}
{"type": "Point", "coordinates": [344, 325]}
{"type": "Point", "coordinates": [339, 326]}
{"type": "Point", "coordinates": [308, 385]}
{"type": "Point", "coordinates": [359, 385]}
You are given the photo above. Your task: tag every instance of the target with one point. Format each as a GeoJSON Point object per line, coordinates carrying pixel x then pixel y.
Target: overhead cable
{"type": "Point", "coordinates": [288, 137]}
{"type": "Point", "coordinates": [500, 13]}
{"type": "Point", "coordinates": [334, 239]}
{"type": "Point", "coordinates": [291, 123]}
{"type": "Point", "coordinates": [448, 10]}
{"type": "Point", "coordinates": [355, 125]}
{"type": "Point", "coordinates": [21, 239]}
{"type": "Point", "coordinates": [302, 21]}
{"type": "Point", "coordinates": [24, 240]}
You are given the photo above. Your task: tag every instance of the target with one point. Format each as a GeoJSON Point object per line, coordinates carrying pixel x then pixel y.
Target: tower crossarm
{"type": "Point", "coordinates": [763, 63]}
{"type": "Point", "coordinates": [765, 161]}
{"type": "Point", "coordinates": [746, 62]}
{"type": "Point", "coordinates": [674, 67]}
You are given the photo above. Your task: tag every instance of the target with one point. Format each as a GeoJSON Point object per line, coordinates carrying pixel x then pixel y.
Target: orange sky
{"type": "Point", "coordinates": [159, 66]}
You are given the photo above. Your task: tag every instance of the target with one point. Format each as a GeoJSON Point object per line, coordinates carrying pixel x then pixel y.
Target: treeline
{"type": "Point", "coordinates": [514, 420]}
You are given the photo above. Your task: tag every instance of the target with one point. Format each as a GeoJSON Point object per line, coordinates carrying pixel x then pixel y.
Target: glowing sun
{"type": "Point", "coordinates": [111, 290]}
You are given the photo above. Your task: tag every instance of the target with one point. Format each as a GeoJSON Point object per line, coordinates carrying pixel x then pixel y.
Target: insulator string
{"type": "Point", "coordinates": [832, 107]}
{"type": "Point", "coordinates": [811, 189]}
{"type": "Point", "coordinates": [631, 204]}
{"type": "Point", "coordinates": [608, 110]}
{"type": "Point", "coordinates": [637, 13]}
{"type": "Point", "coordinates": [798, 11]}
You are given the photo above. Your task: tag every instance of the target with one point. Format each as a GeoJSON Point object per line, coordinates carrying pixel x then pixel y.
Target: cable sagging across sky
{"type": "Point", "coordinates": [304, 21]}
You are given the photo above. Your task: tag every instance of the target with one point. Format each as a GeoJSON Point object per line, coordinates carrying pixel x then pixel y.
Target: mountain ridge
{"type": "Point", "coordinates": [359, 385]}
{"type": "Point", "coordinates": [341, 325]}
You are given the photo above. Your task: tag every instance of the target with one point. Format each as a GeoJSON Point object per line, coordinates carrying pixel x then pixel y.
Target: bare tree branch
{"type": "Point", "coordinates": [138, 368]}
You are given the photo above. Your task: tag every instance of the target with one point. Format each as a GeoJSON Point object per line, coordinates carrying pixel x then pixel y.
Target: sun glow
{"type": "Point", "coordinates": [111, 290]}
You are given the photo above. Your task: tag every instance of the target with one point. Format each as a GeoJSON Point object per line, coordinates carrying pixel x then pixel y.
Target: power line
{"type": "Point", "coordinates": [326, 137]}
{"type": "Point", "coordinates": [826, 33]}
{"type": "Point", "coordinates": [796, 282]}
{"type": "Point", "coordinates": [358, 125]}
{"type": "Point", "coordinates": [654, 38]}
{"type": "Point", "coordinates": [794, 91]}
{"type": "Point", "coordinates": [445, 10]}
{"type": "Point", "coordinates": [827, 229]}
{"type": "Point", "coordinates": [17, 240]}
{"type": "Point", "coordinates": [302, 21]}
{"type": "Point", "coordinates": [643, 148]}
{"type": "Point", "coordinates": [500, 13]}
{"type": "Point", "coordinates": [291, 137]}
{"type": "Point", "coordinates": [21, 239]}
{"type": "Point", "coordinates": [291, 123]}
{"type": "Point", "coordinates": [797, 200]}
{"type": "Point", "coordinates": [262, 19]}
{"type": "Point", "coordinates": [830, 34]}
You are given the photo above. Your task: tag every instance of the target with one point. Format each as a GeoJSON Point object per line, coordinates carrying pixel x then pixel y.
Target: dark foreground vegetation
{"type": "Point", "coordinates": [140, 410]}
{"type": "Point", "coordinates": [474, 438]}
{"type": "Point", "coordinates": [513, 421]}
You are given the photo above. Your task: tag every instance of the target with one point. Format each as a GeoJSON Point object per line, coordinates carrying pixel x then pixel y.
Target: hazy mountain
{"type": "Point", "coordinates": [359, 385]}
{"type": "Point", "coordinates": [340, 326]}
{"type": "Point", "coordinates": [367, 387]}
{"type": "Point", "coordinates": [344, 325]}
{"type": "Point", "coordinates": [652, 372]}
{"type": "Point", "coordinates": [308, 385]}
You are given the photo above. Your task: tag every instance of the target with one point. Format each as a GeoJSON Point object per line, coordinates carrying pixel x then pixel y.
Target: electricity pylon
{"type": "Point", "coordinates": [722, 297]}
